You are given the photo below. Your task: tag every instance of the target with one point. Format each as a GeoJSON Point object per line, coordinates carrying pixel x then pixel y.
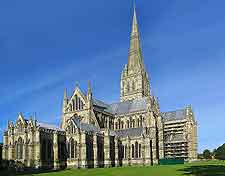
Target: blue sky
{"type": "Point", "coordinates": [46, 46]}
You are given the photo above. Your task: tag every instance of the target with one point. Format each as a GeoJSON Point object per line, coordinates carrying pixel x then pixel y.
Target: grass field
{"type": "Point", "coordinates": [211, 168]}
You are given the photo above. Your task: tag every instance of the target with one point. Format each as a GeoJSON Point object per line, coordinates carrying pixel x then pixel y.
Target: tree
{"type": "Point", "coordinates": [220, 152]}
{"type": "Point", "coordinates": [207, 154]}
{"type": "Point", "coordinates": [213, 154]}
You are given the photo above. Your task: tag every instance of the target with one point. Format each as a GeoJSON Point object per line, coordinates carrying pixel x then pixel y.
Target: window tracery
{"type": "Point", "coordinates": [19, 148]}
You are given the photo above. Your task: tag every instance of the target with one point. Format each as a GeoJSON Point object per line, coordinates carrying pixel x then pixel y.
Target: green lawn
{"type": "Point", "coordinates": [212, 168]}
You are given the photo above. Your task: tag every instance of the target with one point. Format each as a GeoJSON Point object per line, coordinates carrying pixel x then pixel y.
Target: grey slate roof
{"type": "Point", "coordinates": [122, 107]}
{"type": "Point", "coordinates": [130, 132]}
{"type": "Point", "coordinates": [99, 103]}
{"type": "Point", "coordinates": [174, 138]}
{"type": "Point", "coordinates": [49, 126]}
{"type": "Point", "coordinates": [85, 126]}
{"type": "Point", "coordinates": [174, 115]}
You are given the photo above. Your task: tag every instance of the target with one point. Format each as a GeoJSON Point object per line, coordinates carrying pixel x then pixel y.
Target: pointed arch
{"type": "Point", "coordinates": [123, 151]}
{"type": "Point", "coordinates": [122, 124]}
{"type": "Point", "coordinates": [76, 101]}
{"type": "Point", "coordinates": [136, 149]}
{"type": "Point", "coordinates": [20, 126]}
{"type": "Point", "coordinates": [126, 151]}
{"type": "Point", "coordinates": [79, 103]}
{"type": "Point", "coordinates": [74, 104]}
{"type": "Point", "coordinates": [141, 121]}
{"type": "Point", "coordinates": [116, 125]}
{"type": "Point", "coordinates": [128, 124]}
{"type": "Point", "coordinates": [133, 85]}
{"type": "Point", "coordinates": [75, 149]}
{"type": "Point", "coordinates": [82, 105]}
{"type": "Point", "coordinates": [72, 148]}
{"type": "Point", "coordinates": [138, 122]}
{"type": "Point", "coordinates": [19, 148]}
{"type": "Point", "coordinates": [132, 150]}
{"type": "Point", "coordinates": [133, 123]}
{"type": "Point", "coordinates": [139, 153]}
{"type": "Point", "coordinates": [128, 87]}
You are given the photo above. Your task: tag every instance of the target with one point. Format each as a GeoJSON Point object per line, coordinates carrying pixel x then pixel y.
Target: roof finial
{"type": "Point", "coordinates": [77, 84]}
{"type": "Point", "coordinates": [89, 94]}
{"type": "Point", "coordinates": [89, 86]}
{"type": "Point", "coordinates": [65, 94]}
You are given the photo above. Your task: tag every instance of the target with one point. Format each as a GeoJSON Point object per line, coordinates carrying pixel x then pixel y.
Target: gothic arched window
{"type": "Point", "coordinates": [128, 124]}
{"type": "Point", "coordinates": [133, 85]}
{"type": "Point", "coordinates": [20, 126]}
{"type": "Point", "coordinates": [116, 125]}
{"type": "Point", "coordinates": [128, 87]}
{"type": "Point", "coordinates": [122, 124]}
{"type": "Point", "coordinates": [75, 148]}
{"type": "Point", "coordinates": [76, 101]}
{"type": "Point", "coordinates": [19, 149]}
{"type": "Point", "coordinates": [74, 105]}
{"type": "Point", "coordinates": [133, 124]}
{"type": "Point", "coordinates": [68, 149]}
{"type": "Point", "coordinates": [125, 151]}
{"type": "Point", "coordinates": [82, 105]}
{"type": "Point", "coordinates": [132, 150]}
{"type": "Point", "coordinates": [136, 149]}
{"type": "Point", "coordinates": [79, 103]}
{"type": "Point", "coordinates": [139, 155]}
{"type": "Point", "coordinates": [72, 148]}
{"type": "Point", "coordinates": [141, 121]}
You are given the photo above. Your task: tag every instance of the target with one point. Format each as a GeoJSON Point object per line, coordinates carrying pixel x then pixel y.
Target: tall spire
{"type": "Point", "coordinates": [135, 56]}
{"type": "Point", "coordinates": [134, 83]}
{"type": "Point", "coordinates": [135, 24]}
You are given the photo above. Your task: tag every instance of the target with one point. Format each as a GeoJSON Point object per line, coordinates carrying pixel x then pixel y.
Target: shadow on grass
{"type": "Point", "coordinates": [34, 172]}
{"type": "Point", "coordinates": [27, 172]}
{"type": "Point", "coordinates": [204, 170]}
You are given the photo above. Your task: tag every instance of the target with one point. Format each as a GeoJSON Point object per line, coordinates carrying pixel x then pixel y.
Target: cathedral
{"type": "Point", "coordinates": [97, 134]}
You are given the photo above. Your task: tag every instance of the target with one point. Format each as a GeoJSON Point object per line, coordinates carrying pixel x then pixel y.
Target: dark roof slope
{"type": "Point", "coordinates": [131, 132]}
{"type": "Point", "coordinates": [174, 115]}
{"type": "Point", "coordinates": [122, 107]}
{"type": "Point", "coordinates": [49, 126]}
{"type": "Point", "coordinates": [174, 138]}
{"type": "Point", "coordinates": [85, 126]}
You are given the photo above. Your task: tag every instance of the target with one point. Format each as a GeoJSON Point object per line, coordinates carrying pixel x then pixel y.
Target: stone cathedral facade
{"type": "Point", "coordinates": [96, 134]}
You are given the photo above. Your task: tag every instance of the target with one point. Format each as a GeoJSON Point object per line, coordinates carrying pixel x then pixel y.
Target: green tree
{"type": "Point", "coordinates": [220, 152]}
{"type": "Point", "coordinates": [207, 154]}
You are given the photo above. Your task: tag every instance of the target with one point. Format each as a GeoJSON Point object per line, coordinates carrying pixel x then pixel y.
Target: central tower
{"type": "Point", "coordinates": [134, 83]}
